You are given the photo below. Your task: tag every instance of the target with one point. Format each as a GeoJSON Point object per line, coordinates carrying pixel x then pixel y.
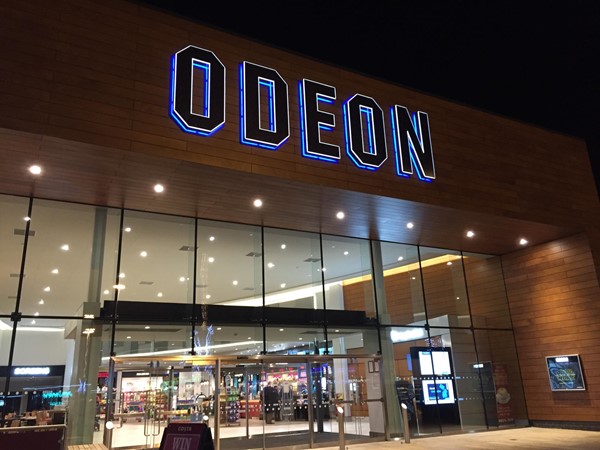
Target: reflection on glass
{"type": "Point", "coordinates": [157, 258]}
{"type": "Point", "coordinates": [347, 271]}
{"type": "Point", "coordinates": [229, 264]}
{"type": "Point", "coordinates": [402, 283]}
{"type": "Point", "coordinates": [12, 226]}
{"type": "Point", "coordinates": [292, 265]}
{"type": "Point", "coordinates": [487, 292]}
{"type": "Point", "coordinates": [445, 290]}
{"type": "Point", "coordinates": [345, 340]}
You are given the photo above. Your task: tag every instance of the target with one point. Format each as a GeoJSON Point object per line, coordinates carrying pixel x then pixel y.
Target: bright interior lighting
{"type": "Point", "coordinates": [41, 302]}
{"type": "Point", "coordinates": [282, 285]}
{"type": "Point", "coordinates": [212, 238]}
{"type": "Point", "coordinates": [65, 247]}
{"type": "Point", "coordinates": [281, 329]}
{"type": "Point", "coordinates": [400, 258]}
{"type": "Point", "coordinates": [211, 259]}
{"type": "Point", "coordinates": [207, 296]}
{"type": "Point", "coordinates": [340, 215]}
{"type": "Point", "coordinates": [235, 282]}
{"type": "Point", "coordinates": [270, 265]}
{"type": "Point", "coordinates": [346, 253]}
{"type": "Point", "coordinates": [410, 225]}
{"type": "Point", "coordinates": [143, 253]}
{"type": "Point", "coordinates": [340, 410]}
{"type": "Point", "coordinates": [47, 289]}
{"type": "Point", "coordinates": [127, 230]}
{"type": "Point", "coordinates": [449, 263]}
{"type": "Point", "coordinates": [158, 188]}
{"type": "Point", "coordinates": [160, 294]}
{"type": "Point", "coordinates": [36, 314]}
{"type": "Point", "coordinates": [119, 286]}
{"type": "Point", "coordinates": [33, 322]}
{"type": "Point", "coordinates": [283, 246]}
{"type": "Point", "coordinates": [122, 275]}
{"type": "Point", "coordinates": [36, 170]}
{"type": "Point", "coordinates": [470, 234]}
{"type": "Point", "coordinates": [128, 337]}
{"type": "Point", "coordinates": [147, 327]}
{"type": "Point", "coordinates": [182, 279]}
{"type": "Point", "coordinates": [106, 292]}
{"type": "Point", "coordinates": [109, 425]}
{"type": "Point", "coordinates": [523, 241]}
{"type": "Point", "coordinates": [258, 203]}
{"type": "Point", "coordinates": [26, 219]}
{"type": "Point", "coordinates": [55, 271]}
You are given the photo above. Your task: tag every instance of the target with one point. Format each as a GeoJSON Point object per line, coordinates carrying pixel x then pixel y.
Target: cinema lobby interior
{"type": "Point", "coordinates": [197, 228]}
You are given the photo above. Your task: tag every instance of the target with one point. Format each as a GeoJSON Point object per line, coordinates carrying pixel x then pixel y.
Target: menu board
{"type": "Point", "coordinates": [565, 373]}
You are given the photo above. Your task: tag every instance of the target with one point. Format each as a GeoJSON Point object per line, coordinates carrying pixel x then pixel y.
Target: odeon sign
{"type": "Point", "coordinates": [198, 106]}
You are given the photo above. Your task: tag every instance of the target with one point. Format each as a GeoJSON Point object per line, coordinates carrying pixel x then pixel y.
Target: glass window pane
{"type": "Point", "coordinates": [404, 303]}
{"type": "Point", "coordinates": [347, 341]}
{"type": "Point", "coordinates": [487, 293]}
{"type": "Point", "coordinates": [501, 378]}
{"type": "Point", "coordinates": [66, 358]}
{"type": "Point", "coordinates": [64, 258]}
{"type": "Point", "coordinates": [347, 270]}
{"type": "Point", "coordinates": [445, 292]}
{"type": "Point", "coordinates": [157, 259]}
{"type": "Point", "coordinates": [12, 233]}
{"type": "Point", "coordinates": [291, 340]}
{"type": "Point", "coordinates": [229, 266]}
{"type": "Point", "coordinates": [292, 265]}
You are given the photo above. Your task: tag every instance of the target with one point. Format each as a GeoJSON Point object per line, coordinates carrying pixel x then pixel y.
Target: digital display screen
{"type": "Point", "coordinates": [565, 373]}
{"type": "Point", "coordinates": [436, 362]}
{"type": "Point", "coordinates": [440, 391]}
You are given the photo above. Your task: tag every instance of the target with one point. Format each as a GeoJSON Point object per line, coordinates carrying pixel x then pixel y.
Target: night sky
{"type": "Point", "coordinates": [533, 61]}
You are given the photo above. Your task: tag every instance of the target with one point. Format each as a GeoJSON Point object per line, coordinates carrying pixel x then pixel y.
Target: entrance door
{"type": "Point", "coordinates": [252, 402]}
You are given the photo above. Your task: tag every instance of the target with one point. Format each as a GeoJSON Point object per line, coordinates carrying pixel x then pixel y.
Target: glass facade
{"type": "Point", "coordinates": [119, 313]}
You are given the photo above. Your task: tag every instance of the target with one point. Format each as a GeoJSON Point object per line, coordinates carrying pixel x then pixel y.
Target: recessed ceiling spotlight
{"type": "Point", "coordinates": [270, 265]}
{"type": "Point", "coordinates": [211, 259]}
{"type": "Point", "coordinates": [158, 188]}
{"type": "Point", "coordinates": [235, 282]}
{"type": "Point", "coordinates": [65, 247]}
{"type": "Point", "coordinates": [26, 218]}
{"type": "Point", "coordinates": [119, 286]}
{"type": "Point", "coordinates": [340, 215]}
{"type": "Point", "coordinates": [106, 292]}
{"type": "Point", "coordinates": [346, 253]}
{"type": "Point", "coordinates": [283, 246]}
{"type": "Point", "coordinates": [143, 253]}
{"type": "Point", "coordinates": [212, 238]}
{"type": "Point", "coordinates": [41, 302]}
{"type": "Point", "coordinates": [33, 322]}
{"type": "Point", "coordinates": [249, 337]}
{"type": "Point", "coordinates": [182, 279]}
{"type": "Point", "coordinates": [470, 234]}
{"type": "Point", "coordinates": [410, 225]}
{"type": "Point", "coordinates": [128, 337]}
{"type": "Point", "coordinates": [147, 327]}
{"type": "Point", "coordinates": [299, 339]}
{"type": "Point", "coordinates": [449, 263]}
{"type": "Point", "coordinates": [122, 275]}
{"type": "Point", "coordinates": [160, 294]}
{"type": "Point", "coordinates": [258, 203]}
{"type": "Point", "coordinates": [207, 296]}
{"type": "Point", "coordinates": [55, 271]}
{"type": "Point", "coordinates": [36, 314]}
{"type": "Point", "coordinates": [35, 169]}
{"type": "Point", "coordinates": [282, 285]}
{"type": "Point", "coordinates": [47, 289]}
{"type": "Point", "coordinates": [127, 230]}
{"type": "Point", "coordinates": [523, 241]}
{"type": "Point", "coordinates": [281, 329]}
{"type": "Point", "coordinates": [219, 328]}
{"type": "Point", "coordinates": [400, 258]}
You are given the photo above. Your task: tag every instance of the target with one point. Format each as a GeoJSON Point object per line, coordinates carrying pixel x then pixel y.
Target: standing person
{"type": "Point", "coordinates": [270, 398]}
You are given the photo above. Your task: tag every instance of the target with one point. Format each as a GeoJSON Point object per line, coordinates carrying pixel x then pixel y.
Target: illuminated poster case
{"type": "Point", "coordinates": [565, 373]}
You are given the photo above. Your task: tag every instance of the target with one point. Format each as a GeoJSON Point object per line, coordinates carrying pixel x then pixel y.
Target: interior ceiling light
{"type": "Point", "coordinates": [160, 294]}
{"type": "Point", "coordinates": [55, 271]}
{"type": "Point", "coordinates": [122, 275]}
{"type": "Point", "coordinates": [470, 234]}
{"type": "Point", "coordinates": [127, 230]}
{"type": "Point", "coordinates": [346, 253]}
{"type": "Point", "coordinates": [410, 225]}
{"type": "Point", "coordinates": [35, 169]}
{"type": "Point", "coordinates": [400, 258]}
{"type": "Point", "coordinates": [26, 218]}
{"type": "Point", "coordinates": [340, 215]}
{"type": "Point", "coordinates": [36, 314]}
{"type": "Point", "coordinates": [41, 302]}
{"type": "Point", "coordinates": [65, 247]}
{"type": "Point", "coordinates": [47, 289]}
{"type": "Point", "coordinates": [235, 282]}
{"type": "Point", "coordinates": [106, 292]}
{"type": "Point", "coordinates": [282, 285]}
{"type": "Point", "coordinates": [211, 259]}
{"type": "Point", "coordinates": [182, 279]}
{"type": "Point", "coordinates": [207, 296]}
{"type": "Point", "coordinates": [146, 327]}
{"type": "Point", "coordinates": [283, 246]}
{"type": "Point", "coordinates": [523, 241]}
{"type": "Point", "coordinates": [158, 188]}
{"type": "Point", "coordinates": [270, 265]}
{"type": "Point", "coordinates": [258, 203]}
{"type": "Point", "coordinates": [212, 238]}
{"type": "Point", "coordinates": [143, 253]}
{"type": "Point", "coordinates": [119, 286]}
